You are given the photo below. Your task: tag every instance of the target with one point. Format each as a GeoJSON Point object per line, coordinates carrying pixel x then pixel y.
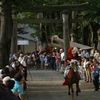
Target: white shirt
{"type": "Point", "coordinates": [62, 56]}
{"type": "Point", "coordinates": [23, 62]}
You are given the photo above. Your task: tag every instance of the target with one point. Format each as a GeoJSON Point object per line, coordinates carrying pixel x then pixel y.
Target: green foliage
{"type": "Point", "coordinates": [90, 15]}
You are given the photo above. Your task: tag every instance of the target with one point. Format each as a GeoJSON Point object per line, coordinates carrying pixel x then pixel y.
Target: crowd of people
{"type": "Point", "coordinates": [13, 77]}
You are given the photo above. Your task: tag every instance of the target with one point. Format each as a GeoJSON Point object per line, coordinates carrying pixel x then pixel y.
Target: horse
{"type": "Point", "coordinates": [71, 78]}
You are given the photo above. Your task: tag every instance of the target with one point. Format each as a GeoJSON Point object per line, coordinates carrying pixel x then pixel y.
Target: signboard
{"type": "Point", "coordinates": [22, 42]}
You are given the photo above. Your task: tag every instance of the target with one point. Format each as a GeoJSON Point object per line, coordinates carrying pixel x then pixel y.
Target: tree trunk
{"type": "Point", "coordinates": [6, 33]}
{"type": "Point", "coordinates": [65, 17]}
{"type": "Point", "coordinates": [86, 32]}
{"type": "Point", "coordinates": [14, 36]}
{"type": "Point", "coordinates": [95, 28]}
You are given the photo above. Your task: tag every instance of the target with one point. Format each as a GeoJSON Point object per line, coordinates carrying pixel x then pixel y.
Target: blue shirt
{"type": "Point", "coordinates": [96, 72]}
{"type": "Point", "coordinates": [18, 88]}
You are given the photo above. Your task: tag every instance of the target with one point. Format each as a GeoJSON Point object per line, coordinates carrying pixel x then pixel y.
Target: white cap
{"type": "Point", "coordinates": [5, 79]}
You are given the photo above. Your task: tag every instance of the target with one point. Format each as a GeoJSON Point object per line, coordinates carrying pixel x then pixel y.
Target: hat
{"type": "Point", "coordinates": [5, 79]}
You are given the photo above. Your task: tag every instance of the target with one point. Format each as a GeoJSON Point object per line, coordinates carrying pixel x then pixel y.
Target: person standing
{"type": "Point", "coordinates": [62, 60]}
{"type": "Point", "coordinates": [58, 61]}
{"type": "Point", "coordinates": [96, 73]}
{"type": "Point", "coordinates": [18, 89]}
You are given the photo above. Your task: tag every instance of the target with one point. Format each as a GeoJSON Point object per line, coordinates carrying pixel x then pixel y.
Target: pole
{"type": "Point", "coordinates": [65, 17]}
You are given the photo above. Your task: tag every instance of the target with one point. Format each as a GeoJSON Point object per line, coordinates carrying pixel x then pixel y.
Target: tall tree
{"type": "Point", "coordinates": [7, 26]}
{"type": "Point", "coordinates": [5, 35]}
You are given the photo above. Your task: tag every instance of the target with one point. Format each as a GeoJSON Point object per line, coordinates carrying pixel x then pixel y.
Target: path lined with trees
{"type": "Point", "coordinates": [88, 22]}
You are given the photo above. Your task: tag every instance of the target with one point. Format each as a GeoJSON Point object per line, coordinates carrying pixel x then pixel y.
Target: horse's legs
{"type": "Point", "coordinates": [69, 89]}
{"type": "Point", "coordinates": [72, 90]}
{"type": "Point", "coordinates": [77, 88]}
